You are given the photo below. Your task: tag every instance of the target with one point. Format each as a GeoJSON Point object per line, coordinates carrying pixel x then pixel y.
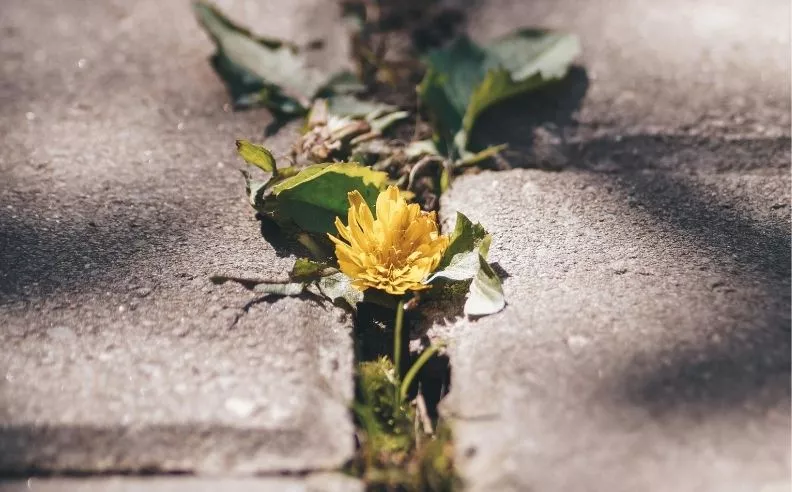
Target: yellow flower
{"type": "Point", "coordinates": [394, 252]}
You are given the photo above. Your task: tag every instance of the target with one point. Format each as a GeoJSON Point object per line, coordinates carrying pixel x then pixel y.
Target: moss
{"type": "Point", "coordinates": [393, 452]}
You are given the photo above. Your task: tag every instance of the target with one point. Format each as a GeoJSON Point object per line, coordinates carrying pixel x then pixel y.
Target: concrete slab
{"type": "Point", "coordinates": [120, 197]}
{"type": "Point", "coordinates": [707, 74]}
{"type": "Point", "coordinates": [324, 482]}
{"type": "Point", "coordinates": [646, 343]}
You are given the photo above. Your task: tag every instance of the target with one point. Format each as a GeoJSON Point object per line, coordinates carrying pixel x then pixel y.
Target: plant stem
{"type": "Point", "coordinates": [397, 339]}
{"type": "Point", "coordinates": [423, 359]}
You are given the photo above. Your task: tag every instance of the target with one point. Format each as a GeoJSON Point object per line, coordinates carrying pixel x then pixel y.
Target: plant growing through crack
{"type": "Point", "coordinates": [361, 189]}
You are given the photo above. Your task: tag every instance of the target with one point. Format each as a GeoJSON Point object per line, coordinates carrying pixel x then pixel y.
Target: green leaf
{"type": "Point", "coordinates": [305, 269]}
{"type": "Point", "coordinates": [451, 77]}
{"type": "Point", "coordinates": [467, 243]}
{"type": "Point", "coordinates": [259, 70]}
{"type": "Point", "coordinates": [263, 286]}
{"type": "Point", "coordinates": [418, 148]}
{"type": "Point", "coordinates": [486, 293]}
{"type": "Point", "coordinates": [383, 122]}
{"type": "Point", "coordinates": [344, 82]}
{"type": "Point", "coordinates": [318, 194]}
{"type": "Point", "coordinates": [256, 155]}
{"type": "Point", "coordinates": [464, 79]}
{"type": "Point", "coordinates": [248, 90]}
{"type": "Point", "coordinates": [380, 116]}
{"type": "Point", "coordinates": [351, 106]}
{"type": "Point", "coordinates": [338, 287]}
{"type": "Point", "coordinates": [335, 287]}
{"type": "Point", "coordinates": [472, 158]}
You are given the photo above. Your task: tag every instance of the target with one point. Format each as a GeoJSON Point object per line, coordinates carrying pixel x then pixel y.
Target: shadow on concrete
{"type": "Point", "coordinates": [38, 258]}
{"type": "Point", "coordinates": [678, 153]}
{"type": "Point", "coordinates": [746, 362]}
{"type": "Point", "coordinates": [534, 125]}
{"type": "Point", "coordinates": [281, 243]}
{"type": "Point", "coordinates": [82, 450]}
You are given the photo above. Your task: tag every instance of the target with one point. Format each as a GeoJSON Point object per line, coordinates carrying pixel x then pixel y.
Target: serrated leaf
{"type": "Point", "coordinates": [339, 287]}
{"type": "Point", "coordinates": [464, 79]}
{"type": "Point", "coordinates": [259, 70]}
{"type": "Point", "coordinates": [305, 269]}
{"type": "Point", "coordinates": [318, 194]}
{"type": "Point", "coordinates": [256, 155]}
{"type": "Point", "coordinates": [334, 287]}
{"type": "Point", "coordinates": [263, 286]}
{"type": "Point", "coordinates": [466, 244]}
{"type": "Point", "coordinates": [486, 293]}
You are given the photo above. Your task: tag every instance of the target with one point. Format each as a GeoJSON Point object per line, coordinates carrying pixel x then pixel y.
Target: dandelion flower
{"type": "Point", "coordinates": [396, 251]}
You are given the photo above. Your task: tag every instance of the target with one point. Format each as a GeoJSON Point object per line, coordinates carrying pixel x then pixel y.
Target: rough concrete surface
{"type": "Point", "coordinates": [323, 482]}
{"type": "Point", "coordinates": [119, 198]}
{"type": "Point", "coordinates": [646, 340]}
{"type": "Point", "coordinates": [655, 77]}
{"type": "Point", "coordinates": [645, 345]}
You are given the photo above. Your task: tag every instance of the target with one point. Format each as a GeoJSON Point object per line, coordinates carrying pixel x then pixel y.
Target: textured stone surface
{"type": "Point", "coordinates": [656, 80]}
{"type": "Point", "coordinates": [645, 345]}
{"type": "Point", "coordinates": [120, 197]}
{"type": "Point", "coordinates": [312, 483]}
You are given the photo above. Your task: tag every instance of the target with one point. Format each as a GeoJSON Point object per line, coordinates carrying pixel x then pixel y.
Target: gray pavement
{"type": "Point", "coordinates": [646, 343]}
{"type": "Point", "coordinates": [119, 198]}
{"type": "Point", "coordinates": [320, 482]}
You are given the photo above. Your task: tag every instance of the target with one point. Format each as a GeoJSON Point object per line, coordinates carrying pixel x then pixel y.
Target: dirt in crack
{"type": "Point", "coordinates": [403, 443]}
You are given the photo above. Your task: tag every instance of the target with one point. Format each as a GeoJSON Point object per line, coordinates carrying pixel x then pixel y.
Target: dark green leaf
{"type": "Point", "coordinates": [258, 70]}
{"type": "Point", "coordinates": [451, 77]}
{"type": "Point", "coordinates": [318, 194]}
{"type": "Point", "coordinates": [486, 293]}
{"type": "Point", "coordinates": [465, 79]}
{"type": "Point", "coordinates": [248, 90]}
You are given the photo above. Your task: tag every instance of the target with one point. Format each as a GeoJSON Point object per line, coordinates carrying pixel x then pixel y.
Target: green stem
{"type": "Point", "coordinates": [422, 360]}
{"type": "Point", "coordinates": [397, 338]}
